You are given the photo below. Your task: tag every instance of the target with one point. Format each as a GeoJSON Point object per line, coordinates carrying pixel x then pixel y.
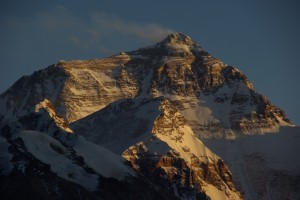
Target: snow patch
{"type": "Point", "coordinates": [39, 145]}
{"type": "Point", "coordinates": [188, 145]}
{"type": "Point", "coordinates": [216, 194]}
{"type": "Point", "coordinates": [101, 159]}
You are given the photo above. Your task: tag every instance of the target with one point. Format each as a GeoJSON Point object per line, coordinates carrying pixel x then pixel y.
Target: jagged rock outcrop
{"type": "Point", "coordinates": [174, 156]}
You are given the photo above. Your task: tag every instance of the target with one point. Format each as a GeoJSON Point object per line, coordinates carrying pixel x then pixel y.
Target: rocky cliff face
{"type": "Point", "coordinates": [151, 107]}
{"type": "Point", "coordinates": [175, 156]}
{"type": "Point", "coordinates": [159, 145]}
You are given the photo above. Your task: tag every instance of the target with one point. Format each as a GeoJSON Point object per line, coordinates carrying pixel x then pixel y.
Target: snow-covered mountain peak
{"type": "Point", "coordinates": [175, 68]}
{"type": "Point", "coordinates": [178, 38]}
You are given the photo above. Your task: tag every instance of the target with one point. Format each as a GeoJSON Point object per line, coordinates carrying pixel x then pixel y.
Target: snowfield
{"type": "Point", "coordinates": [50, 151]}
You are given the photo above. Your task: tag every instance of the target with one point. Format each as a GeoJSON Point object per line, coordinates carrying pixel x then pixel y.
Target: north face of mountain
{"type": "Point", "coordinates": [216, 99]}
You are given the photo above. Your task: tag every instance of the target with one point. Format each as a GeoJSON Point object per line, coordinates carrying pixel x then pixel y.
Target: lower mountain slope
{"type": "Point", "coordinates": [60, 164]}
{"type": "Point", "coordinates": [158, 144]}
{"type": "Point", "coordinates": [152, 137]}
{"type": "Point", "coordinates": [37, 166]}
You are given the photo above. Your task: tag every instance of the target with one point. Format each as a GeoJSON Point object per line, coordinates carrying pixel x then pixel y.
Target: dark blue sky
{"type": "Point", "coordinates": [261, 38]}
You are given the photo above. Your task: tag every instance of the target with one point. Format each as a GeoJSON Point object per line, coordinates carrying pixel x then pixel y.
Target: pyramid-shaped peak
{"type": "Point", "coordinates": [179, 38]}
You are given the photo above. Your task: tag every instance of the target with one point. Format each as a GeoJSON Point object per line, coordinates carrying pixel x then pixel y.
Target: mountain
{"type": "Point", "coordinates": [168, 121]}
{"type": "Point", "coordinates": [175, 68]}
